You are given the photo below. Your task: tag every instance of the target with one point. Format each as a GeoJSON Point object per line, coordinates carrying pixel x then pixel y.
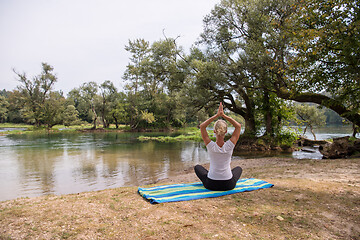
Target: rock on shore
{"type": "Point", "coordinates": [341, 148]}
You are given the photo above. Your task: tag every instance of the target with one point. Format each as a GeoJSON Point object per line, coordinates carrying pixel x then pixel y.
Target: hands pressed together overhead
{"type": "Point", "coordinates": [220, 112]}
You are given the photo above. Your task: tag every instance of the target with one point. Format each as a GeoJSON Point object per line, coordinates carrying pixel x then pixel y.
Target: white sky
{"type": "Point", "coordinates": [84, 40]}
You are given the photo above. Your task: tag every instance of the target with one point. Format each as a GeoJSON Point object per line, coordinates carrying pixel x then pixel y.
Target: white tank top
{"type": "Point", "coordinates": [220, 158]}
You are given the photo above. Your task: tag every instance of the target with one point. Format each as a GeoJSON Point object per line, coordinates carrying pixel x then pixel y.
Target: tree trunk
{"type": "Point", "coordinates": [246, 112]}
{"type": "Point", "coordinates": [95, 116]}
{"type": "Point", "coordinates": [250, 128]}
{"type": "Point", "coordinates": [269, 130]}
{"type": "Point", "coordinates": [355, 130]}
{"type": "Point", "coordinates": [116, 121]}
{"type": "Point", "coordinates": [104, 122]}
{"type": "Point", "coordinates": [312, 131]}
{"type": "Point", "coordinates": [103, 114]}
{"type": "Point", "coordinates": [305, 129]}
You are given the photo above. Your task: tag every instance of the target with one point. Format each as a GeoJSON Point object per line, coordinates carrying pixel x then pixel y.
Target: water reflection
{"type": "Point", "coordinates": [33, 165]}
{"type": "Point", "coordinates": [70, 163]}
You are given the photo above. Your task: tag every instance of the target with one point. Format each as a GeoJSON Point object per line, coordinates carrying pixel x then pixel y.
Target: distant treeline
{"type": "Point", "coordinates": [265, 60]}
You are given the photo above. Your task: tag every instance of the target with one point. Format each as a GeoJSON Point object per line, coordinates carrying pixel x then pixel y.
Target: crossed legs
{"type": "Point", "coordinates": [217, 185]}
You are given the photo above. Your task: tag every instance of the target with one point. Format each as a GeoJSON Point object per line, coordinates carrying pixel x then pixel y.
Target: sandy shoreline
{"type": "Point", "coordinates": [339, 173]}
{"type": "Point", "coordinates": [311, 199]}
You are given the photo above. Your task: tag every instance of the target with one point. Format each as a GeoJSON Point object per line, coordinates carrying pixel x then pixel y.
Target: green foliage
{"type": "Point", "coordinates": [37, 98]}
{"type": "Point", "coordinates": [3, 108]}
{"type": "Point", "coordinates": [70, 116]}
{"type": "Point", "coordinates": [14, 125]}
{"type": "Point", "coordinates": [328, 33]}
{"type": "Point", "coordinates": [119, 112]}
{"type": "Point", "coordinates": [14, 115]}
{"type": "Point", "coordinates": [245, 48]}
{"type": "Point", "coordinates": [147, 117]}
{"type": "Point", "coordinates": [311, 116]}
{"type": "Point", "coordinates": [74, 98]}
{"type": "Point", "coordinates": [287, 137]}
{"type": "Point", "coordinates": [188, 135]}
{"type": "Point", "coordinates": [152, 78]}
{"type": "Point", "coordinates": [53, 110]}
{"type": "Point", "coordinates": [326, 40]}
{"type": "Point", "coordinates": [108, 101]}
{"type": "Point", "coordinates": [253, 55]}
{"type": "Point", "coordinates": [88, 95]}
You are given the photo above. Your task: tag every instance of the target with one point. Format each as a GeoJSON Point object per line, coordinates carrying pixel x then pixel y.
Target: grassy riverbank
{"type": "Point", "coordinates": [185, 134]}
{"type": "Point", "coordinates": [311, 199]}
{"type": "Point", "coordinates": [30, 129]}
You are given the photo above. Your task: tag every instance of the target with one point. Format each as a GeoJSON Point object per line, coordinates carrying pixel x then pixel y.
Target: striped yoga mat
{"type": "Point", "coordinates": [192, 191]}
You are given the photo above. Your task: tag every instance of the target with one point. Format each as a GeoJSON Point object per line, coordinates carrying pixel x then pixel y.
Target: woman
{"type": "Point", "coordinates": [220, 177]}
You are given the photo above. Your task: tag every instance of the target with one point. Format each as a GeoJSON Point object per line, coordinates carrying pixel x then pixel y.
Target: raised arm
{"type": "Point", "coordinates": [236, 134]}
{"type": "Point", "coordinates": [204, 125]}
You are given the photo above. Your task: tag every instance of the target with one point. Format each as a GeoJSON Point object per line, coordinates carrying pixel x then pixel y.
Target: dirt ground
{"type": "Point", "coordinates": [311, 199]}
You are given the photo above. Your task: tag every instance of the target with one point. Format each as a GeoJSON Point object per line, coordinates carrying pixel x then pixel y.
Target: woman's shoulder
{"type": "Point", "coordinates": [229, 145]}
{"type": "Point", "coordinates": [229, 142]}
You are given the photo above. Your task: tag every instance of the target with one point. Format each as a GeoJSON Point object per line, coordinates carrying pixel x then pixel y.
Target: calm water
{"type": "Point", "coordinates": [71, 163]}
{"type": "Point", "coordinates": [328, 132]}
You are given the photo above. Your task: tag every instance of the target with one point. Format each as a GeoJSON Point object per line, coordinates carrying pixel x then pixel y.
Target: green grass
{"type": "Point", "coordinates": [188, 134]}
{"type": "Point", "coordinates": [15, 125]}
{"type": "Point", "coordinates": [31, 129]}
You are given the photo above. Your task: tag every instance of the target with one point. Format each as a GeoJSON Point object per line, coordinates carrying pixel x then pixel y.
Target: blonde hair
{"type": "Point", "coordinates": [220, 127]}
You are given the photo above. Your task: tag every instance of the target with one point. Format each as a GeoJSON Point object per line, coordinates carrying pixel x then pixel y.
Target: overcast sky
{"type": "Point", "coordinates": [84, 40]}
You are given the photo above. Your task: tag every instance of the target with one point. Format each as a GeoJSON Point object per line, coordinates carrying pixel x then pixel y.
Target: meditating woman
{"type": "Point", "coordinates": [220, 177]}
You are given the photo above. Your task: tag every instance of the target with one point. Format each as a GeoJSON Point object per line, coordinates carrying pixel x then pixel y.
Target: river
{"type": "Point", "coordinates": [62, 163]}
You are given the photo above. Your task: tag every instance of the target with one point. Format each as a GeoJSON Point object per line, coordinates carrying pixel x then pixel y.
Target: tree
{"type": "Point", "coordinates": [53, 109]}
{"type": "Point", "coordinates": [119, 113]}
{"type": "Point", "coordinates": [15, 107]}
{"type": "Point", "coordinates": [139, 50]}
{"type": "Point", "coordinates": [326, 43]}
{"type": "Point", "coordinates": [88, 93]}
{"type": "Point", "coordinates": [108, 93]}
{"type": "Point", "coordinates": [3, 108]}
{"type": "Point", "coordinates": [255, 49]}
{"type": "Point", "coordinates": [151, 85]}
{"type": "Point", "coordinates": [35, 93]}
{"type": "Point", "coordinates": [70, 115]}
{"type": "Point", "coordinates": [242, 46]}
{"type": "Point", "coordinates": [311, 116]}
{"type": "Point", "coordinates": [74, 98]}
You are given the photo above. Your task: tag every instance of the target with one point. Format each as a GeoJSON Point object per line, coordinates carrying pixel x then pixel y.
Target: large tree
{"type": "Point", "coordinates": [327, 46]}
{"type": "Point", "coordinates": [108, 95]}
{"type": "Point", "coordinates": [242, 47]}
{"type": "Point", "coordinates": [151, 86]}
{"type": "Point", "coordinates": [75, 98]}
{"type": "Point", "coordinates": [88, 93]}
{"type": "Point", "coordinates": [255, 54]}
{"type": "Point", "coordinates": [53, 109]}
{"type": "Point", "coordinates": [35, 93]}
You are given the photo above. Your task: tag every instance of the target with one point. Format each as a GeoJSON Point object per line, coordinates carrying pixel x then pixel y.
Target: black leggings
{"type": "Point", "coordinates": [217, 185]}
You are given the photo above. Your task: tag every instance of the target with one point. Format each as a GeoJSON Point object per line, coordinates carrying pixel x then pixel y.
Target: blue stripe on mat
{"type": "Point", "coordinates": [192, 191]}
